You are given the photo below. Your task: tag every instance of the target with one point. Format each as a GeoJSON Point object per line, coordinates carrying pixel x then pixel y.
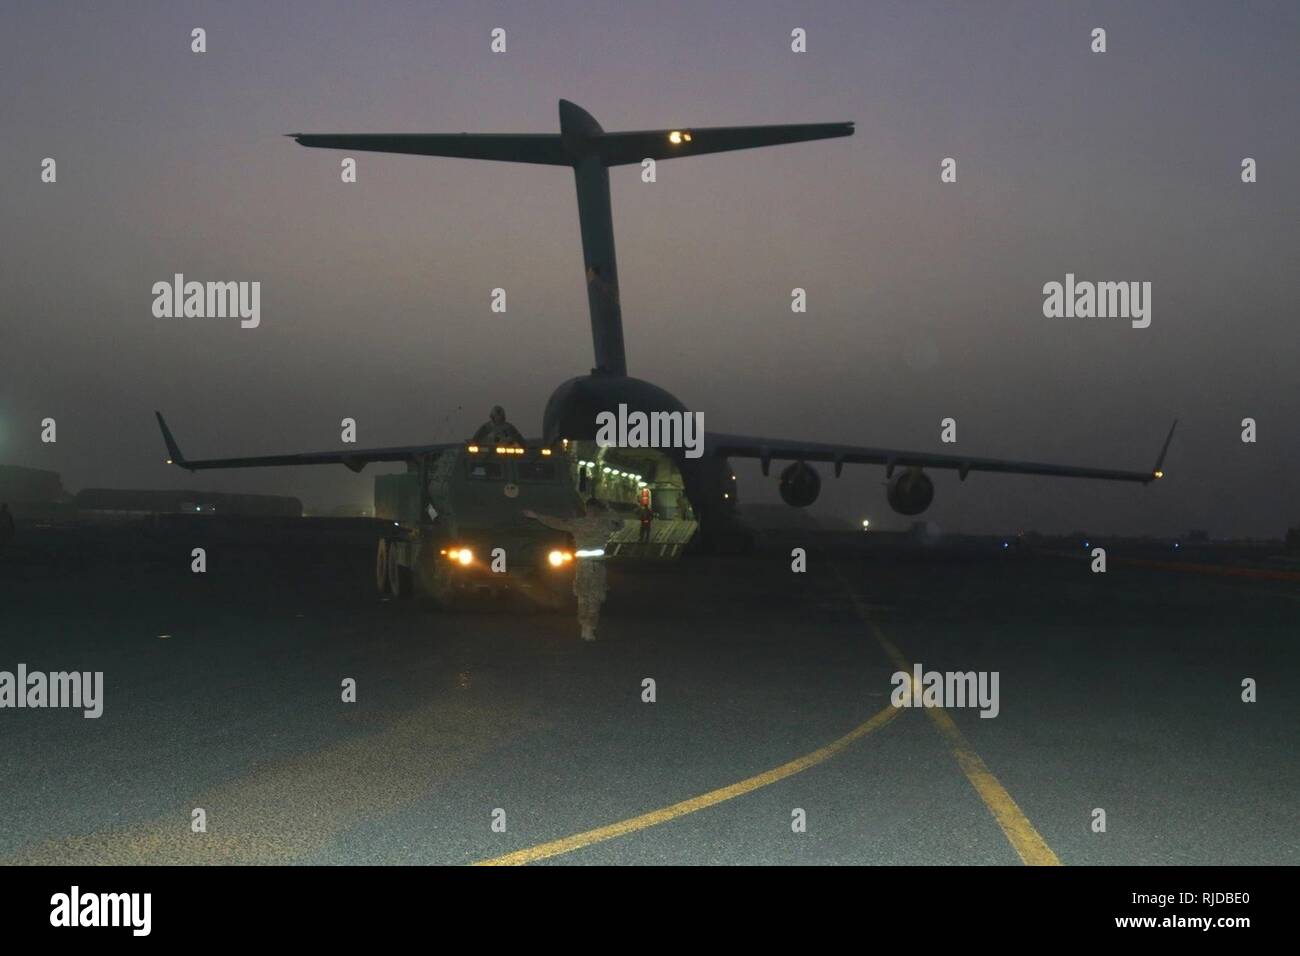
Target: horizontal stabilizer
{"type": "Point", "coordinates": [543, 148]}
{"type": "Point", "coordinates": [616, 149]}
{"type": "Point", "coordinates": [551, 149]}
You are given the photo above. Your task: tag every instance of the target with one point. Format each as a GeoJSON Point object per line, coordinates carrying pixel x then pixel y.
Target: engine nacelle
{"type": "Point", "coordinates": [800, 485]}
{"type": "Point", "coordinates": [910, 491]}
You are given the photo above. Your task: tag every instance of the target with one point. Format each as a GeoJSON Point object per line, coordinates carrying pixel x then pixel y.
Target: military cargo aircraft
{"type": "Point", "coordinates": [570, 416]}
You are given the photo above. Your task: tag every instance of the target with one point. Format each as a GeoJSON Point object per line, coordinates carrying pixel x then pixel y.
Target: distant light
{"type": "Point", "coordinates": [686, 136]}
{"type": "Point", "coordinates": [556, 558]}
{"type": "Point", "coordinates": [169, 461]}
{"type": "Point", "coordinates": [1157, 473]}
{"type": "Point", "coordinates": [592, 553]}
{"type": "Point", "coordinates": [396, 525]}
{"type": "Point", "coordinates": [1005, 545]}
{"type": "Point", "coordinates": [1085, 544]}
{"type": "Point", "coordinates": [473, 449]}
{"type": "Point", "coordinates": [546, 451]}
{"type": "Point", "coordinates": [465, 556]}
{"type": "Point", "coordinates": [1176, 546]}
{"type": "Point", "coordinates": [607, 469]}
{"type": "Point", "coordinates": [675, 137]}
{"type": "Point", "coordinates": [866, 523]}
{"type": "Point", "coordinates": [725, 495]}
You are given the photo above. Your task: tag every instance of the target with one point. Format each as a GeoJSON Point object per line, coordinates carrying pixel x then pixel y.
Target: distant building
{"type": "Point", "coordinates": [124, 501]}
{"type": "Point", "coordinates": [30, 485]}
{"type": "Point", "coordinates": [32, 492]}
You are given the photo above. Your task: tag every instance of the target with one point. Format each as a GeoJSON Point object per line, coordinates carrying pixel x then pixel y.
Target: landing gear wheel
{"type": "Point", "coordinates": [381, 567]}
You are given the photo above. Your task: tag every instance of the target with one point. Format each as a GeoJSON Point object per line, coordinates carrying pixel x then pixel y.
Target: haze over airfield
{"type": "Point", "coordinates": [924, 299]}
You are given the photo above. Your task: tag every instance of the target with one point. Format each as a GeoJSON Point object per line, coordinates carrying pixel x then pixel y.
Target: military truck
{"type": "Point", "coordinates": [458, 525]}
{"type": "Point", "coordinates": [457, 522]}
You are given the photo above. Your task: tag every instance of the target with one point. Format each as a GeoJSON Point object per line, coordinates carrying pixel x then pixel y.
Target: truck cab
{"type": "Point", "coordinates": [457, 524]}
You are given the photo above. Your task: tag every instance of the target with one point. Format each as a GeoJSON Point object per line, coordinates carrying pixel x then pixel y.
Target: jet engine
{"type": "Point", "coordinates": [800, 485]}
{"type": "Point", "coordinates": [910, 491]}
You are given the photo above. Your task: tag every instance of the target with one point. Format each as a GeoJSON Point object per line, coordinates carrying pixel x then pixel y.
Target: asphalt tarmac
{"type": "Point", "coordinates": [495, 734]}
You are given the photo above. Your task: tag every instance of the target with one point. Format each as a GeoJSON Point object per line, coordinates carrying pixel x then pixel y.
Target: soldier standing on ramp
{"type": "Point", "coordinates": [591, 532]}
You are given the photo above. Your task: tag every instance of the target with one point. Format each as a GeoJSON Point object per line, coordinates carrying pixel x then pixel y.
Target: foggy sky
{"type": "Point", "coordinates": [925, 298]}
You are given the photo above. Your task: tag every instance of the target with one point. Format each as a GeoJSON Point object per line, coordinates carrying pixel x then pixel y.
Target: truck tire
{"type": "Point", "coordinates": [439, 585]}
{"type": "Point", "coordinates": [381, 567]}
{"type": "Point", "coordinates": [555, 594]}
{"type": "Point", "coordinates": [399, 576]}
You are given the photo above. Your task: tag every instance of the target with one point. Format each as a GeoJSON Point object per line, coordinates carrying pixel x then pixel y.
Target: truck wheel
{"type": "Point", "coordinates": [555, 594]}
{"type": "Point", "coordinates": [381, 567]}
{"type": "Point", "coordinates": [441, 586]}
{"type": "Point", "coordinates": [399, 577]}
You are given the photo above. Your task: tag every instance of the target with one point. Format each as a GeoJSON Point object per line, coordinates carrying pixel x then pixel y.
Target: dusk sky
{"type": "Point", "coordinates": [924, 298]}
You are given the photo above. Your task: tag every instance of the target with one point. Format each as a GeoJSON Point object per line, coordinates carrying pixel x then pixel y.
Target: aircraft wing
{"type": "Point", "coordinates": [765, 449]}
{"type": "Point", "coordinates": [355, 459]}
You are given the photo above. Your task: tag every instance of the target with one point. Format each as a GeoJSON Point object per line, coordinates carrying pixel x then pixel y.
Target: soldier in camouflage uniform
{"type": "Point", "coordinates": [497, 431]}
{"type": "Point", "coordinates": [591, 532]}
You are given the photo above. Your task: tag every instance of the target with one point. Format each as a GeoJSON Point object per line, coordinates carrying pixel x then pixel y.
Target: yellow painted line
{"type": "Point", "coordinates": [655, 817]}
{"type": "Point", "coordinates": [1020, 833]}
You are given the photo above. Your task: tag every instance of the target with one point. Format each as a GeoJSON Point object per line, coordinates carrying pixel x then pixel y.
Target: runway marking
{"type": "Point", "coordinates": [1223, 570]}
{"type": "Point", "coordinates": [1020, 833]}
{"type": "Point", "coordinates": [1188, 567]}
{"type": "Point", "coordinates": [579, 840]}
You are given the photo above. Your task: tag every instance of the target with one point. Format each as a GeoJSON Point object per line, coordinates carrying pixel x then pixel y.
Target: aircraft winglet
{"type": "Point", "coordinates": [1157, 470]}
{"type": "Point", "coordinates": [174, 456]}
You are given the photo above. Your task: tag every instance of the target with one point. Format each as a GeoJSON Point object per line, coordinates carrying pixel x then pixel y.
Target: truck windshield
{"type": "Point", "coordinates": [487, 470]}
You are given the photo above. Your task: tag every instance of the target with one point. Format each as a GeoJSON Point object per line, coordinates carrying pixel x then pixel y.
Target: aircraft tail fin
{"type": "Point", "coordinates": [583, 145]}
